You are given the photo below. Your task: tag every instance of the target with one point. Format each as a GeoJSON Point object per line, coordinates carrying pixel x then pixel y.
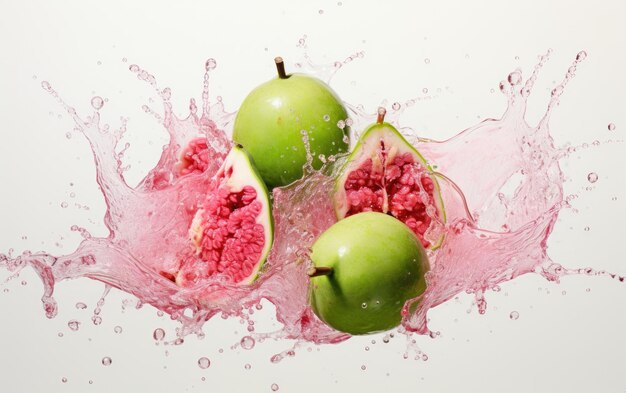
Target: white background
{"type": "Point", "coordinates": [572, 342]}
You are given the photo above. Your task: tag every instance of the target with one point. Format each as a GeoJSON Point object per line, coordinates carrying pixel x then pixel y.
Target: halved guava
{"type": "Point", "coordinates": [232, 231]}
{"type": "Point", "coordinates": [384, 173]}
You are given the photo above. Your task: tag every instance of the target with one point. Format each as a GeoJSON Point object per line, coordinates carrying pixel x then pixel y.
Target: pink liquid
{"type": "Point", "coordinates": [501, 183]}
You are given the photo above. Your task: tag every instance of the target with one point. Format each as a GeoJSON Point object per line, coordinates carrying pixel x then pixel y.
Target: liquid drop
{"type": "Point", "coordinates": [158, 334]}
{"type": "Point", "coordinates": [73, 325]}
{"type": "Point", "coordinates": [592, 177]}
{"type": "Point", "coordinates": [97, 103]}
{"type": "Point", "coordinates": [247, 342]}
{"type": "Point", "coordinates": [204, 363]}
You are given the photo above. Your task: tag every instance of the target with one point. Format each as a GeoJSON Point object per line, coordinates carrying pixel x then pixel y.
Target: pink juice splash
{"type": "Point", "coordinates": [501, 184]}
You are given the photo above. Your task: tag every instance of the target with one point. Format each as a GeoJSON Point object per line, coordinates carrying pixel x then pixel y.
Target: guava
{"type": "Point", "coordinates": [364, 268]}
{"type": "Point", "coordinates": [272, 119]}
{"type": "Point", "coordinates": [385, 173]}
{"type": "Point", "coordinates": [232, 231]}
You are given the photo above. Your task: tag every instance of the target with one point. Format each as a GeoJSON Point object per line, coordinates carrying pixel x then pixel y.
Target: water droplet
{"type": "Point", "coordinates": [395, 106]}
{"type": "Point", "coordinates": [363, 305]}
{"type": "Point", "coordinates": [106, 361]}
{"type": "Point", "coordinates": [73, 325]}
{"type": "Point", "coordinates": [611, 127]}
{"type": "Point", "coordinates": [367, 348]}
{"type": "Point", "coordinates": [503, 87]}
{"type": "Point", "coordinates": [363, 367]}
{"type": "Point", "coordinates": [97, 103]}
{"type": "Point", "coordinates": [64, 205]}
{"type": "Point", "coordinates": [557, 91]}
{"type": "Point", "coordinates": [158, 334]}
{"type": "Point", "coordinates": [90, 382]}
{"type": "Point", "coordinates": [582, 55]}
{"type": "Point", "coordinates": [247, 366]}
{"type": "Point", "coordinates": [424, 90]}
{"type": "Point", "coordinates": [24, 282]}
{"type": "Point", "coordinates": [274, 387]}
{"type": "Point", "coordinates": [204, 363]}
{"type": "Point", "coordinates": [341, 124]}
{"type": "Point", "coordinates": [64, 380]}
{"type": "Point", "coordinates": [117, 329]}
{"type": "Point", "coordinates": [247, 342]}
{"type": "Point", "coordinates": [320, 12]}
{"type": "Point", "coordinates": [587, 229]}
{"type": "Point", "coordinates": [592, 177]}
{"type": "Point", "coordinates": [166, 93]}
{"type": "Point", "coordinates": [210, 64]}
{"type": "Point", "coordinates": [60, 334]}
{"type": "Point", "coordinates": [349, 122]}
{"type": "Point", "coordinates": [326, 118]}
{"type": "Point", "coordinates": [427, 60]}
{"type": "Point", "coordinates": [515, 78]}
{"type": "Point", "coordinates": [514, 315]}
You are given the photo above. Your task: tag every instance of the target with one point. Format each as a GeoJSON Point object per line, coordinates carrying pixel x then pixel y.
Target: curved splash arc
{"type": "Point", "coordinates": [503, 193]}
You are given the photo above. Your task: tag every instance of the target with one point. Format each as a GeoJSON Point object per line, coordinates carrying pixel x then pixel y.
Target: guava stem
{"type": "Point", "coordinates": [381, 115]}
{"type": "Point", "coordinates": [319, 271]}
{"type": "Point", "coordinates": [280, 67]}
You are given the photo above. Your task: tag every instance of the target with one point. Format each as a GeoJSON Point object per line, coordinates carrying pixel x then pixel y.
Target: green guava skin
{"type": "Point", "coordinates": [377, 261]}
{"type": "Point", "coordinates": [270, 121]}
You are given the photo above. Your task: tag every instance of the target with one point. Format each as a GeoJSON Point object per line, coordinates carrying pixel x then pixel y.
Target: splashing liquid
{"type": "Point", "coordinates": [491, 236]}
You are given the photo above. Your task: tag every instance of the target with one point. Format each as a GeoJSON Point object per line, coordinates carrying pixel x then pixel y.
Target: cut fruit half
{"type": "Point", "coordinates": [232, 231]}
{"type": "Point", "coordinates": [386, 174]}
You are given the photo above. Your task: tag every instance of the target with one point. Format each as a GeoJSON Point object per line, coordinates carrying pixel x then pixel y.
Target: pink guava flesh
{"type": "Point", "coordinates": [194, 158]}
{"type": "Point", "coordinates": [228, 239]}
{"type": "Point", "coordinates": [400, 186]}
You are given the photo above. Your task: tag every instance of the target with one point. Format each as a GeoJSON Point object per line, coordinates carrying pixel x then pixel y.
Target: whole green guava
{"type": "Point", "coordinates": [272, 119]}
{"type": "Point", "coordinates": [365, 267]}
